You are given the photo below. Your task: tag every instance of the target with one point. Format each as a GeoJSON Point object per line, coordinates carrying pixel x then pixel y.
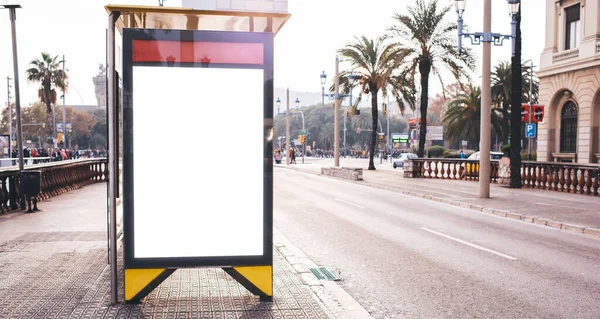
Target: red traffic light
{"type": "Point", "coordinates": [524, 113]}
{"type": "Point", "coordinates": [538, 113]}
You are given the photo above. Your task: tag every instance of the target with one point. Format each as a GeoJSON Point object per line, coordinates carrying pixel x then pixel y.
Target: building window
{"type": "Point", "coordinates": [572, 27]}
{"type": "Point", "coordinates": [568, 128]}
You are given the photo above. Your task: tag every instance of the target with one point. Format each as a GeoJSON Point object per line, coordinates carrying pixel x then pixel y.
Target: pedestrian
{"type": "Point", "coordinates": [462, 154]}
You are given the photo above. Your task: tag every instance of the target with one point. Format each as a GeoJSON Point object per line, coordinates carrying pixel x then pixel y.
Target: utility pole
{"type": "Point", "coordinates": [486, 102]}
{"type": "Point", "coordinates": [64, 110]}
{"type": "Point", "coordinates": [8, 79]}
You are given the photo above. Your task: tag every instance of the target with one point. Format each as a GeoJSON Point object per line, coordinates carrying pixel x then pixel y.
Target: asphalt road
{"type": "Point", "coordinates": [404, 257]}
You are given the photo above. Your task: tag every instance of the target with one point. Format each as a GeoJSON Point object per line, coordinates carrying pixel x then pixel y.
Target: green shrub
{"type": "Point", "coordinates": [506, 148]}
{"type": "Point", "coordinates": [524, 156]}
{"type": "Point", "coordinates": [436, 151]}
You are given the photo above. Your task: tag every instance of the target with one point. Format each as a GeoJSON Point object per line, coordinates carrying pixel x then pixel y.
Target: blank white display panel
{"type": "Point", "coordinates": [198, 152]}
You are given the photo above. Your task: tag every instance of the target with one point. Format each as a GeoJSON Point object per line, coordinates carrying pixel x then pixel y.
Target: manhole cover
{"type": "Point", "coordinates": [323, 273]}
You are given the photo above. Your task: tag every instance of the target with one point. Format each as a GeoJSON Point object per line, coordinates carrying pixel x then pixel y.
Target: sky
{"type": "Point", "coordinates": [304, 48]}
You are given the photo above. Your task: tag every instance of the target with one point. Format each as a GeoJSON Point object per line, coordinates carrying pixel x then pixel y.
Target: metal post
{"type": "Point", "coordinates": [9, 117]}
{"type": "Point", "coordinates": [13, 17]}
{"type": "Point", "coordinates": [287, 128]}
{"type": "Point", "coordinates": [387, 113]}
{"type": "Point", "coordinates": [112, 160]}
{"type": "Point", "coordinates": [530, 108]}
{"type": "Point", "coordinates": [322, 95]}
{"type": "Point", "coordinates": [336, 112]}
{"type": "Point", "coordinates": [303, 130]}
{"type": "Point", "coordinates": [64, 111]}
{"type": "Point", "coordinates": [486, 102]}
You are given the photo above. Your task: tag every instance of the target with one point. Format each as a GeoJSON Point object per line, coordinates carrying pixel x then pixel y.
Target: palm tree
{"type": "Point", "coordinates": [463, 116]}
{"type": "Point", "coordinates": [47, 72]}
{"type": "Point", "coordinates": [431, 44]}
{"type": "Point", "coordinates": [502, 90]}
{"type": "Point", "coordinates": [373, 61]}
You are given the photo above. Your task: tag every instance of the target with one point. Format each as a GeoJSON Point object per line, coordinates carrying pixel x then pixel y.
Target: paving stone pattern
{"type": "Point", "coordinates": [66, 275]}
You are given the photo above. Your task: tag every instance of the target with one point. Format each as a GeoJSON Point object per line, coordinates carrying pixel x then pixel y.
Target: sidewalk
{"type": "Point", "coordinates": [572, 212]}
{"type": "Point", "coordinates": [54, 264]}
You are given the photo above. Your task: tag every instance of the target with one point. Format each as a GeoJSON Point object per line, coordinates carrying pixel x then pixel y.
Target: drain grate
{"type": "Point", "coordinates": [323, 273]}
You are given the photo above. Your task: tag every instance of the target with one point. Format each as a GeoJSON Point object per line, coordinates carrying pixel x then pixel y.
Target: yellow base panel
{"type": "Point", "coordinates": [259, 276]}
{"type": "Point", "coordinates": [136, 280]}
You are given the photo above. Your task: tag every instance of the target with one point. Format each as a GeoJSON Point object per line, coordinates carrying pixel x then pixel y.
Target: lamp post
{"type": "Point", "coordinates": [487, 37]}
{"type": "Point", "coordinates": [64, 110]}
{"type": "Point", "coordinates": [8, 86]}
{"type": "Point", "coordinates": [336, 97]}
{"type": "Point", "coordinates": [12, 8]}
{"type": "Point", "coordinates": [303, 129]}
{"type": "Point", "coordinates": [278, 105]}
{"type": "Point", "coordinates": [323, 80]}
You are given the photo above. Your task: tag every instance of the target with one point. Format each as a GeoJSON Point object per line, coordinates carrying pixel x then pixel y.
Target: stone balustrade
{"type": "Point", "coordinates": [561, 177]}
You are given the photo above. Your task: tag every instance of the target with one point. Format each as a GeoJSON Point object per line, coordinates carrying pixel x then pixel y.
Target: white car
{"type": "Point", "coordinates": [493, 155]}
{"type": "Point", "coordinates": [399, 161]}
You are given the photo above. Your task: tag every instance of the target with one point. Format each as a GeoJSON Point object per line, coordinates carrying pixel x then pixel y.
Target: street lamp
{"type": "Point", "coordinates": [323, 79]}
{"type": "Point", "coordinates": [336, 97]}
{"type": "Point", "coordinates": [303, 132]}
{"type": "Point", "coordinates": [487, 37]}
{"type": "Point", "coordinates": [278, 105]}
{"type": "Point", "coordinates": [12, 8]}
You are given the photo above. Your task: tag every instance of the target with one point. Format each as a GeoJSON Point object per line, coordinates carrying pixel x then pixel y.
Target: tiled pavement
{"type": "Point", "coordinates": [54, 264]}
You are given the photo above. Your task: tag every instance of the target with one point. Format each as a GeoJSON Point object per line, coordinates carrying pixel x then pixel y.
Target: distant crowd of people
{"type": "Point", "coordinates": [43, 155]}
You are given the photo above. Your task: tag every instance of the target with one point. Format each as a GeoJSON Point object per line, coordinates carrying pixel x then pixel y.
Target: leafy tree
{"type": "Point", "coordinates": [373, 62]}
{"type": "Point", "coordinates": [46, 71]}
{"type": "Point", "coordinates": [430, 44]}
{"type": "Point", "coordinates": [463, 116]}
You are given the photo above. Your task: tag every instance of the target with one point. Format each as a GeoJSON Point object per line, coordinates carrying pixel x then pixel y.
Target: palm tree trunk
{"type": "Point", "coordinates": [424, 69]}
{"type": "Point", "coordinates": [49, 119]}
{"type": "Point", "coordinates": [375, 116]}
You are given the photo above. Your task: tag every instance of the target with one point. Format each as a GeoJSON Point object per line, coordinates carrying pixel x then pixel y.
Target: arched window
{"type": "Point", "coordinates": [568, 128]}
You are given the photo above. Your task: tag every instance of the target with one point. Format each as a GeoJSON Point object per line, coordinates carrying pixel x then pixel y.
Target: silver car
{"type": "Point", "coordinates": [399, 161]}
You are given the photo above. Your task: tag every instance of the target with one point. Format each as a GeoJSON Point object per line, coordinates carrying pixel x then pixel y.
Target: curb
{"type": "Point", "coordinates": [335, 299]}
{"type": "Point", "coordinates": [588, 231]}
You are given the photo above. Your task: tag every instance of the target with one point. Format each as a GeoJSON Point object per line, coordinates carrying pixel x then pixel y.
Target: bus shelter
{"type": "Point", "coordinates": [186, 200]}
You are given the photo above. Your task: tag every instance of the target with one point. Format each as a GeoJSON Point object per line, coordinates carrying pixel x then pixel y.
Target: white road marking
{"type": "Point", "coordinates": [469, 244]}
{"type": "Point", "coordinates": [349, 203]}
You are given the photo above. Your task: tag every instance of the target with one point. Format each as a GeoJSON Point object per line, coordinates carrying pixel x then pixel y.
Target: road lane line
{"type": "Point", "coordinates": [469, 244]}
{"type": "Point", "coordinates": [349, 203]}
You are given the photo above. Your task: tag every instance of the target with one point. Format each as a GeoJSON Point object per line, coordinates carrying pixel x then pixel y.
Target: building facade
{"type": "Point", "coordinates": [570, 83]}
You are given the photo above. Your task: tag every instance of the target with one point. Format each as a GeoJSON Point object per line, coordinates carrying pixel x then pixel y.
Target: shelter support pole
{"type": "Point", "coordinates": [112, 160]}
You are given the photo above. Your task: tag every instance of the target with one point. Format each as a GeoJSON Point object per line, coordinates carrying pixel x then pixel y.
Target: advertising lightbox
{"type": "Point", "coordinates": [197, 151]}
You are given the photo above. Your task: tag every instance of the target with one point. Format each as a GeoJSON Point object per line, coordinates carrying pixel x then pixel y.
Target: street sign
{"type": "Point", "coordinates": [303, 132]}
{"type": "Point", "coordinates": [530, 130]}
{"type": "Point", "coordinates": [399, 138]}
{"type": "Point", "coordinates": [435, 133]}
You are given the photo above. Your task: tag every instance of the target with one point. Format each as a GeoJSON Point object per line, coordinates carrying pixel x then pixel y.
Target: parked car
{"type": "Point", "coordinates": [470, 170]}
{"type": "Point", "coordinates": [399, 161]}
{"type": "Point", "coordinates": [493, 156]}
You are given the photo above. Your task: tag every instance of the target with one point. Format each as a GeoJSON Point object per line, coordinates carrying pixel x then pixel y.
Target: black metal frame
{"type": "Point", "coordinates": [128, 201]}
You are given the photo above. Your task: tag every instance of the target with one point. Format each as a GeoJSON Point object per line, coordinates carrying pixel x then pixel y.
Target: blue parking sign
{"type": "Point", "coordinates": [530, 130]}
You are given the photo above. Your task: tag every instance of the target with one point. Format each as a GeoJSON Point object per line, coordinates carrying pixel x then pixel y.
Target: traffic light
{"type": "Point", "coordinates": [524, 113]}
{"type": "Point", "coordinates": [59, 137]}
{"type": "Point", "coordinates": [347, 113]}
{"type": "Point", "coordinates": [380, 139]}
{"type": "Point", "coordinates": [538, 113]}
{"type": "Point", "coordinates": [300, 138]}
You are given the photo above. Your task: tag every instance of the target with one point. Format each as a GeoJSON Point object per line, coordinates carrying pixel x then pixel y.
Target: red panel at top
{"type": "Point", "coordinates": [212, 52]}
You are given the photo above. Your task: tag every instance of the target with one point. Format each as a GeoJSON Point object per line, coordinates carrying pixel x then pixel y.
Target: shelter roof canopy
{"type": "Point", "coordinates": [174, 18]}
